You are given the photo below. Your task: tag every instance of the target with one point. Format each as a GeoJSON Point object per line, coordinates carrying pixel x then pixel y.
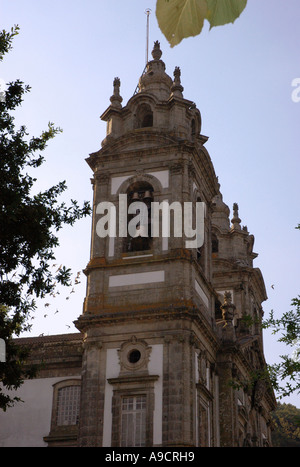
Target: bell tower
{"type": "Point", "coordinates": [149, 374]}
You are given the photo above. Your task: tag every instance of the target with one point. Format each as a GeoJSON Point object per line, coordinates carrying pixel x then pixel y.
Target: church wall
{"type": "Point", "coordinates": [25, 424]}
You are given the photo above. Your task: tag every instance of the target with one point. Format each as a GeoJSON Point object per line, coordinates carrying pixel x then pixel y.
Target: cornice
{"type": "Point", "coordinates": [173, 255]}
{"type": "Point", "coordinates": [165, 312]}
{"type": "Point", "coordinates": [142, 378]}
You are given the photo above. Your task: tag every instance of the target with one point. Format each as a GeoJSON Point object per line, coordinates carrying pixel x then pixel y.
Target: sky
{"type": "Point", "coordinates": [240, 77]}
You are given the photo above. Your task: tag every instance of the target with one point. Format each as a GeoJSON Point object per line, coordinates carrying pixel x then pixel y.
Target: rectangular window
{"type": "Point", "coordinates": [133, 421]}
{"type": "Point", "coordinates": [68, 405]}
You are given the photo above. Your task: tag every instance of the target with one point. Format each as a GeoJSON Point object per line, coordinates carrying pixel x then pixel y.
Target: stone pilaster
{"type": "Point", "coordinates": [92, 395]}
{"type": "Point", "coordinates": [178, 392]}
{"type": "Point", "coordinates": [227, 403]}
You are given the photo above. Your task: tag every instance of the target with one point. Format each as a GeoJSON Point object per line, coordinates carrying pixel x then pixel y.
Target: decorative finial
{"type": "Point", "coordinates": [116, 99]}
{"type": "Point", "coordinates": [117, 84]}
{"type": "Point", "coordinates": [176, 87]}
{"type": "Point", "coordinates": [236, 220]}
{"type": "Point", "coordinates": [177, 74]}
{"type": "Point", "coordinates": [156, 52]}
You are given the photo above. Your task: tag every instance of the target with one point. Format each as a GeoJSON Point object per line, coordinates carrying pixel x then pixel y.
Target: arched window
{"type": "Point", "coordinates": [144, 116]}
{"type": "Point", "coordinates": [139, 217]}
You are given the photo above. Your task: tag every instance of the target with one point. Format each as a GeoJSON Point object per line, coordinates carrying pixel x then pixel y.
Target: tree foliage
{"type": "Point", "coordinates": [14, 370]}
{"type": "Point", "coordinates": [286, 419]}
{"type": "Point", "coordinates": [285, 375]}
{"type": "Point", "coordinates": [179, 19]}
{"type": "Point", "coordinates": [28, 225]}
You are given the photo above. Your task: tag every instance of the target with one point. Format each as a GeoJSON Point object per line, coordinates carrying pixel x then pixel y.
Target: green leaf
{"type": "Point", "coordinates": [221, 12]}
{"type": "Point", "coordinates": [179, 19]}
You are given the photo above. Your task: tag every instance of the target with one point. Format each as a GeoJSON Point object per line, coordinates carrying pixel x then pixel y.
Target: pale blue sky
{"type": "Point", "coordinates": [238, 75]}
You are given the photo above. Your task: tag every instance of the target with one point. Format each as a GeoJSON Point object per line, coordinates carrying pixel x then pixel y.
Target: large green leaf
{"type": "Point", "coordinates": [178, 19]}
{"type": "Point", "coordinates": [221, 12]}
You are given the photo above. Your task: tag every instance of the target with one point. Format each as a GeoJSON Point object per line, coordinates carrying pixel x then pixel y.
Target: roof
{"type": "Point", "coordinates": [48, 339]}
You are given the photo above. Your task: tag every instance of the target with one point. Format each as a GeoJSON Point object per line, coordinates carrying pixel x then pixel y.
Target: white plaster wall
{"type": "Point", "coordinates": [155, 367]}
{"type": "Point", "coordinates": [112, 371]}
{"type": "Point", "coordinates": [136, 279]}
{"type": "Point", "coordinates": [26, 423]}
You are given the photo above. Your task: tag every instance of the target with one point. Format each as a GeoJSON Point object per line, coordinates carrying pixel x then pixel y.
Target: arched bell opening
{"type": "Point", "coordinates": [139, 199]}
{"type": "Point", "coordinates": [144, 116]}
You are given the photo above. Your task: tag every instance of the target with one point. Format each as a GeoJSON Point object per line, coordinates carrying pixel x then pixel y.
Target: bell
{"type": "Point", "coordinates": [135, 196]}
{"type": "Point", "coordinates": [148, 194]}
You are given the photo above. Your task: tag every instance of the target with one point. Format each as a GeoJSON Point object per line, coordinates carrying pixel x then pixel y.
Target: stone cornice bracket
{"type": "Point", "coordinates": [92, 343]}
{"type": "Point", "coordinates": [102, 177]}
{"type": "Point", "coordinates": [177, 168]}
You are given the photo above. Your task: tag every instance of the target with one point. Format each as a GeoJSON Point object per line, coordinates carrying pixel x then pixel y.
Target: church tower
{"type": "Point", "coordinates": [163, 315]}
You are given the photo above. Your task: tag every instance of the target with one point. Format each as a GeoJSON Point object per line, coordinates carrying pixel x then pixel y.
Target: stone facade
{"type": "Point", "coordinates": [166, 357]}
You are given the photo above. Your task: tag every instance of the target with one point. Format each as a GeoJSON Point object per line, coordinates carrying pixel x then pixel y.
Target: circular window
{"type": "Point", "coordinates": [134, 356]}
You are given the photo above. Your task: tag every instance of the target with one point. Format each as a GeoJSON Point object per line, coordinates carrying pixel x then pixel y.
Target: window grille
{"type": "Point", "coordinates": [68, 405]}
